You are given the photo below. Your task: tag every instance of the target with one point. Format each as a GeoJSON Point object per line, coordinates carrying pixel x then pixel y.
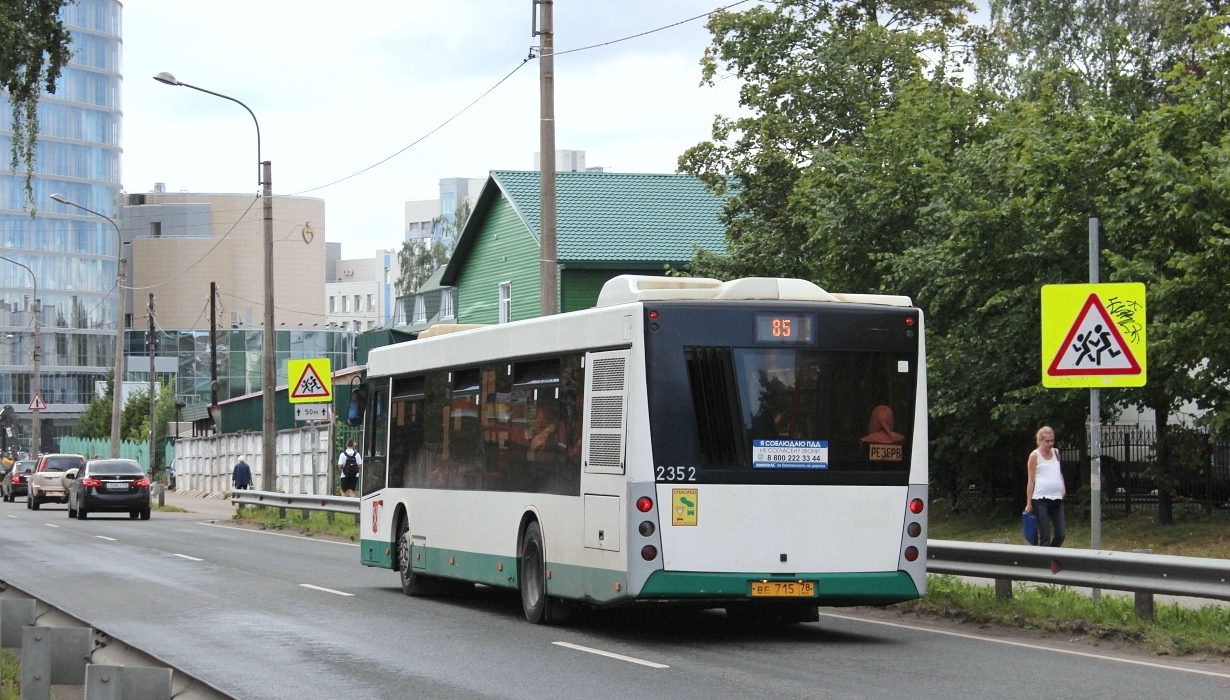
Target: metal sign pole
{"type": "Point", "coordinates": [1095, 425]}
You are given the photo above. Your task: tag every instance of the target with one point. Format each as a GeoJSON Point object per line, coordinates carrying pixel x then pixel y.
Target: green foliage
{"type": "Point", "coordinates": [10, 676]}
{"type": "Point", "coordinates": [95, 423]}
{"type": "Point", "coordinates": [316, 523]}
{"type": "Point", "coordinates": [34, 47]}
{"type": "Point", "coordinates": [417, 261]}
{"type": "Point", "coordinates": [865, 166]}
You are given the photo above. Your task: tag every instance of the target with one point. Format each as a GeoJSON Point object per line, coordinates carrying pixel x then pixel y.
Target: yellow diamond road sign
{"type": "Point", "coordinates": [1093, 335]}
{"type": "Point", "coordinates": [311, 381]}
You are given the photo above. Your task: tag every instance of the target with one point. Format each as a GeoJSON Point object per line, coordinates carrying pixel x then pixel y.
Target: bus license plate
{"type": "Point", "coordinates": [783, 589]}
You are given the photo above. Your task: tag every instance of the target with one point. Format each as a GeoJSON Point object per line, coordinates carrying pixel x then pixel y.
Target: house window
{"type": "Point", "coordinates": [155, 229]}
{"type": "Point", "coordinates": [345, 304]}
{"type": "Point", "coordinates": [420, 309]}
{"type": "Point", "coordinates": [358, 302]}
{"type": "Point", "coordinates": [446, 305]}
{"type": "Point", "coordinates": [332, 305]}
{"type": "Point", "coordinates": [505, 302]}
{"type": "Point", "coordinates": [371, 302]}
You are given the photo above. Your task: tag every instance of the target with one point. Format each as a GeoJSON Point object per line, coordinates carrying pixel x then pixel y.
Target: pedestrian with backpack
{"type": "Point", "coordinates": [349, 463]}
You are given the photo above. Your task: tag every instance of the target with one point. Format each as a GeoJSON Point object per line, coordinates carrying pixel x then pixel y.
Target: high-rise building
{"type": "Point", "coordinates": [71, 253]}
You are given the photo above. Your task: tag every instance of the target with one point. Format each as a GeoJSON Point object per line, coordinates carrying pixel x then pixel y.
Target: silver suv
{"type": "Point", "coordinates": [47, 483]}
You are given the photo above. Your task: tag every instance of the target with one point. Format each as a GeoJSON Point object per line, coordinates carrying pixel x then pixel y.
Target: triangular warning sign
{"type": "Point", "coordinates": [36, 404]}
{"type": "Point", "coordinates": [309, 385]}
{"type": "Point", "coordinates": [1093, 346]}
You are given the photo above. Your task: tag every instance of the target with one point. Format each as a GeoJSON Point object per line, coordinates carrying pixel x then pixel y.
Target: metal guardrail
{"type": "Point", "coordinates": [1164, 574]}
{"type": "Point", "coordinates": [297, 501]}
{"type": "Point", "coordinates": [1090, 568]}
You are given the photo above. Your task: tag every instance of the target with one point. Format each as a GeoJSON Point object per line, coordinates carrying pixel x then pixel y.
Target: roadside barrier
{"type": "Point", "coordinates": [57, 649]}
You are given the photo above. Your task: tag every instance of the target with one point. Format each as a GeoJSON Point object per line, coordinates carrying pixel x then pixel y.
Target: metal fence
{"type": "Point", "coordinates": [1190, 466]}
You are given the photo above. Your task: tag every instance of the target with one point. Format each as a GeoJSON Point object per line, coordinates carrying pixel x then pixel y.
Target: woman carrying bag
{"type": "Point", "coordinates": [1044, 492]}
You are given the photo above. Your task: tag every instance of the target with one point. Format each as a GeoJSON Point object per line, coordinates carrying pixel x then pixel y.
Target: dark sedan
{"type": "Point", "coordinates": [16, 480]}
{"type": "Point", "coordinates": [109, 486]}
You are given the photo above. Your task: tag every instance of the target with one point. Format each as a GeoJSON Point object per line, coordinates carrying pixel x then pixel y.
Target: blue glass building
{"type": "Point", "coordinates": [72, 254]}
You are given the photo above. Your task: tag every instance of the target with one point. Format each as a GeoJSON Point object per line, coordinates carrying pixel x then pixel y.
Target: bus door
{"type": "Point", "coordinates": [604, 447]}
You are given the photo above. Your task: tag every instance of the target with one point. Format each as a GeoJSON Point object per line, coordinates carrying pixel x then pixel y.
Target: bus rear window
{"type": "Point", "coordinates": [801, 410]}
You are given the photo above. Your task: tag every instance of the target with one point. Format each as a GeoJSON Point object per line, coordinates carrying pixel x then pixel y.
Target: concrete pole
{"type": "Point", "coordinates": [36, 417]}
{"type": "Point", "coordinates": [269, 435]}
{"type": "Point", "coordinates": [548, 286]}
{"type": "Point", "coordinates": [153, 388]}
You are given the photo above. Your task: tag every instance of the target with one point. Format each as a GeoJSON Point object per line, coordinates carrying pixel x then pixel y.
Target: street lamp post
{"type": "Point", "coordinates": [264, 171]}
{"type": "Point", "coordinates": [36, 432]}
{"type": "Point", "coordinates": [117, 391]}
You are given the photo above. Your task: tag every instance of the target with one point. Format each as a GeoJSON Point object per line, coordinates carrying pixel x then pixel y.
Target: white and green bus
{"type": "Point", "coordinates": [758, 445]}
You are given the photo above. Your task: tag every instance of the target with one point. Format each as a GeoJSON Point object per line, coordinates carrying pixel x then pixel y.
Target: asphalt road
{"type": "Point", "coordinates": [267, 615]}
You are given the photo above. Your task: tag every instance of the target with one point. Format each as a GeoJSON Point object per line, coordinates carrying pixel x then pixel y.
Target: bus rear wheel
{"type": "Point", "coordinates": [412, 584]}
{"type": "Point", "coordinates": [532, 577]}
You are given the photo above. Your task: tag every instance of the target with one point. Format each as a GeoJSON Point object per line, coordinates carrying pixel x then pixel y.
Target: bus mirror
{"type": "Point", "coordinates": [358, 405]}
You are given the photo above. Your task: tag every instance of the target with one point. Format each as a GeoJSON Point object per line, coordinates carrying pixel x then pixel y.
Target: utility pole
{"type": "Point", "coordinates": [36, 419]}
{"type": "Point", "coordinates": [151, 345]}
{"type": "Point", "coordinates": [269, 384]}
{"type": "Point", "coordinates": [213, 344]}
{"type": "Point", "coordinates": [547, 285]}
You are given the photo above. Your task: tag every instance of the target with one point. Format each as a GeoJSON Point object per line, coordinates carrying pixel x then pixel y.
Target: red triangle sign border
{"type": "Point", "coordinates": [322, 393]}
{"type": "Point", "coordinates": [1093, 302]}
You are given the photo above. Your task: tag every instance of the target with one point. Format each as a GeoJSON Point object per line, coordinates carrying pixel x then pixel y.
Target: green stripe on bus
{"type": "Point", "coordinates": [843, 586]}
{"type": "Point", "coordinates": [567, 581]}
{"type": "Point", "coordinates": [376, 553]}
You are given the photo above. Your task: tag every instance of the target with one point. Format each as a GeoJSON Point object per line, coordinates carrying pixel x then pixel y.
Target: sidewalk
{"type": "Point", "coordinates": [200, 506]}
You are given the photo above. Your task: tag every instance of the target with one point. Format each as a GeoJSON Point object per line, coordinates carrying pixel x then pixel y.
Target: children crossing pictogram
{"type": "Point", "coordinates": [1093, 346]}
{"type": "Point", "coordinates": [309, 385]}
{"type": "Point", "coordinates": [1093, 335]}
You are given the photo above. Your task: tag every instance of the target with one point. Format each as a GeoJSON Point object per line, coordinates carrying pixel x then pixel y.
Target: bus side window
{"type": "Point", "coordinates": [374, 464]}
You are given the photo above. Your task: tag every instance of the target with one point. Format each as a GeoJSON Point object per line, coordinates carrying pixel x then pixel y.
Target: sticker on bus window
{"type": "Point", "coordinates": [884, 453]}
{"type": "Point", "coordinates": [790, 454]}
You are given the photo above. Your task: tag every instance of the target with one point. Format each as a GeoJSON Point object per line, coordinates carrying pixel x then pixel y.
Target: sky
{"type": "Point", "coordinates": [337, 90]}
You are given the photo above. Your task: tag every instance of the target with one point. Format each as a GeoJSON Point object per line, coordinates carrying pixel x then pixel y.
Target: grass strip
{"type": "Point", "coordinates": [316, 523]}
{"type": "Point", "coordinates": [1175, 630]}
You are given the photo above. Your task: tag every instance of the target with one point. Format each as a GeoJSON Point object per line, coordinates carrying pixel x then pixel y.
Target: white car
{"type": "Point", "coordinates": [47, 484]}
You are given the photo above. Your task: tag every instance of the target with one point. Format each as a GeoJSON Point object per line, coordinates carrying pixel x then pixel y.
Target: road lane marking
{"type": "Point", "coordinates": [611, 654]}
{"type": "Point", "coordinates": [104, 537]}
{"type": "Point", "coordinates": [185, 556]}
{"type": "Point", "coordinates": [326, 590]}
{"type": "Point", "coordinates": [50, 525]}
{"type": "Point", "coordinates": [278, 534]}
{"type": "Point", "coordinates": [1027, 645]}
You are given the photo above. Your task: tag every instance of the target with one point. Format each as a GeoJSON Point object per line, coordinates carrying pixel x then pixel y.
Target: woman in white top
{"type": "Point", "coordinates": [1045, 491]}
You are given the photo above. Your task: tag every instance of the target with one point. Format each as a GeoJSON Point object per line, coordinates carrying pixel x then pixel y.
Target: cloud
{"type": "Point", "coordinates": [337, 90]}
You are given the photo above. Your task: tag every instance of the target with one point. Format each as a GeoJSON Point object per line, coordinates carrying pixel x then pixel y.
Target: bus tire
{"type": "Point", "coordinates": [412, 584]}
{"type": "Point", "coordinates": [532, 576]}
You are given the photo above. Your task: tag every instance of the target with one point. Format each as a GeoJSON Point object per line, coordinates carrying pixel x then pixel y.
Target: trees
{"type": "Point", "coordinates": [34, 47]}
{"type": "Point", "coordinates": [418, 260]}
{"type": "Point", "coordinates": [970, 194]}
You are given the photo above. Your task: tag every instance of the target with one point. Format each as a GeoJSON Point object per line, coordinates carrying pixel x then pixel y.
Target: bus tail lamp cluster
{"type": "Point", "coordinates": [644, 504]}
{"type": "Point", "coordinates": [913, 528]}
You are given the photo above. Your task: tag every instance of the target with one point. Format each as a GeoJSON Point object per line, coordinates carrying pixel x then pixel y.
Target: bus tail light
{"type": "Point", "coordinates": [646, 528]}
{"type": "Point", "coordinates": [916, 506]}
{"type": "Point", "coordinates": [911, 553]}
{"type": "Point", "coordinates": [650, 552]}
{"type": "Point", "coordinates": [644, 504]}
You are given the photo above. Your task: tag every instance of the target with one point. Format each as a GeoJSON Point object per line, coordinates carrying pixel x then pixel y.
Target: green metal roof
{"type": "Point", "coordinates": [607, 217]}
